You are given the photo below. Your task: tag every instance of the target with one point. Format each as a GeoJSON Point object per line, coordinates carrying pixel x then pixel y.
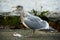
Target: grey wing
{"type": "Point", "coordinates": [34, 18]}
{"type": "Point", "coordinates": [33, 24]}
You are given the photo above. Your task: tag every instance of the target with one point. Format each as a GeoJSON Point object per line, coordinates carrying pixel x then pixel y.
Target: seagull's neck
{"type": "Point", "coordinates": [21, 17]}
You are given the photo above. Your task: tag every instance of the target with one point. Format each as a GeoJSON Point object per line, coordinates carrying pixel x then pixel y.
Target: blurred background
{"type": "Point", "coordinates": [48, 10]}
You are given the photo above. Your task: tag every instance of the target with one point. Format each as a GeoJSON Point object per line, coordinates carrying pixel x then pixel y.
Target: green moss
{"type": "Point", "coordinates": [11, 21]}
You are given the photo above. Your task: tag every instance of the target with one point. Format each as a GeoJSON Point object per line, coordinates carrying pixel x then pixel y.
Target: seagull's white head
{"type": "Point", "coordinates": [20, 8]}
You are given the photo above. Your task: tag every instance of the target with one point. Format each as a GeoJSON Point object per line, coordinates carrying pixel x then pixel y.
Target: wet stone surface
{"type": "Point", "coordinates": [7, 34]}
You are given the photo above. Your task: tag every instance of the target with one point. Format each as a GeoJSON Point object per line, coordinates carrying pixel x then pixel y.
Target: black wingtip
{"type": "Point", "coordinates": [48, 30]}
{"type": "Point", "coordinates": [51, 29]}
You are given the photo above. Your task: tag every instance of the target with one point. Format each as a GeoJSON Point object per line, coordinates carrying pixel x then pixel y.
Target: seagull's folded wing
{"type": "Point", "coordinates": [35, 24]}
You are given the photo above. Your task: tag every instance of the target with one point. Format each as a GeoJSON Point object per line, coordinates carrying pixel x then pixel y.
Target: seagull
{"type": "Point", "coordinates": [31, 21]}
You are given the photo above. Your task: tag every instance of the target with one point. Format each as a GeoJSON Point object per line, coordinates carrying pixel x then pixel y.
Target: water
{"type": "Point", "coordinates": [52, 5]}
